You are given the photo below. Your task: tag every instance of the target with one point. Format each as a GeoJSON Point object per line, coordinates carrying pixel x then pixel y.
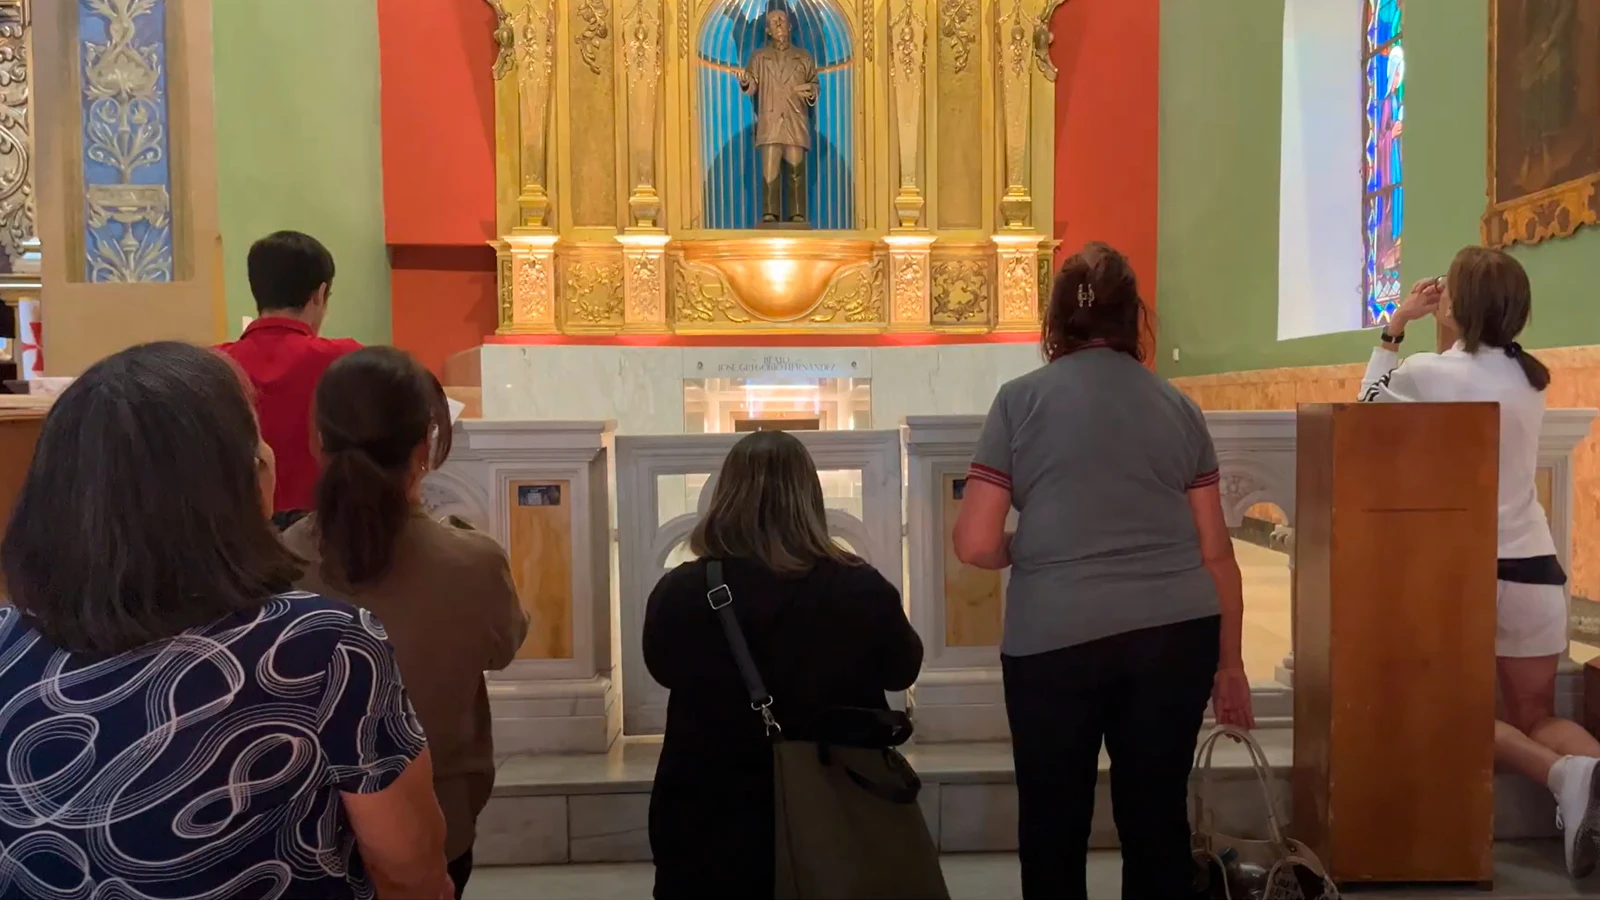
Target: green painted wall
{"type": "Point", "coordinates": [298, 146]}
{"type": "Point", "coordinates": [1221, 84]}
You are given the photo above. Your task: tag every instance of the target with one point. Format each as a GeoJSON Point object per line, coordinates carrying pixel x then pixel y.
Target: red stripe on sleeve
{"type": "Point", "coordinates": [1206, 480]}
{"type": "Point", "coordinates": [992, 476]}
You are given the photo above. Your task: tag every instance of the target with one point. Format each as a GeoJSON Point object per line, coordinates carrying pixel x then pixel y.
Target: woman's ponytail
{"type": "Point", "coordinates": [361, 509]}
{"type": "Point", "coordinates": [376, 409]}
{"type": "Point", "coordinates": [1538, 373]}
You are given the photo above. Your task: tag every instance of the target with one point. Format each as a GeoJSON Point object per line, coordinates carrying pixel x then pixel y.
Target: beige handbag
{"type": "Point", "coordinates": [1291, 870]}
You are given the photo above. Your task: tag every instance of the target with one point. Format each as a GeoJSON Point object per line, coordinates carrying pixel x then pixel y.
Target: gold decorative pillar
{"type": "Point", "coordinates": [533, 284]}
{"type": "Point", "coordinates": [1014, 36]}
{"type": "Point", "coordinates": [910, 308]}
{"type": "Point", "coordinates": [644, 283]}
{"type": "Point", "coordinates": [908, 36]}
{"type": "Point", "coordinates": [1017, 261]}
{"type": "Point", "coordinates": [534, 30]}
{"type": "Point", "coordinates": [642, 51]}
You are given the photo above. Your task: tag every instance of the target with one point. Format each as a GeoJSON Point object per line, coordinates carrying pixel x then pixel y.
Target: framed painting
{"type": "Point", "coordinates": [1544, 120]}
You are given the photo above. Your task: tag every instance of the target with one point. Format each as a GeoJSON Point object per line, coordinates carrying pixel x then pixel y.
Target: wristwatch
{"type": "Point", "coordinates": [1391, 339]}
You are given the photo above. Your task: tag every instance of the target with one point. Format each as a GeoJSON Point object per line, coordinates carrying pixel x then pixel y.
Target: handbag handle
{"type": "Point", "coordinates": [1258, 761]}
{"type": "Point", "coordinates": [720, 596]}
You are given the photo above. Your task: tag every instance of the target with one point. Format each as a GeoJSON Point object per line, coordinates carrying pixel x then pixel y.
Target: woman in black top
{"type": "Point", "coordinates": [826, 630]}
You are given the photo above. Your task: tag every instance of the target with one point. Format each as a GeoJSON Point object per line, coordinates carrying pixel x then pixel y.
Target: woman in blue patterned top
{"type": "Point", "coordinates": [175, 724]}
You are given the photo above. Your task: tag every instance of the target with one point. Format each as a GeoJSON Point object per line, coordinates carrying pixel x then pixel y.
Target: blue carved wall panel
{"type": "Point", "coordinates": [127, 173]}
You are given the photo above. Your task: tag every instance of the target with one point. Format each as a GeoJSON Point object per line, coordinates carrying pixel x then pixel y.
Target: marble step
{"type": "Point", "coordinates": [594, 808]}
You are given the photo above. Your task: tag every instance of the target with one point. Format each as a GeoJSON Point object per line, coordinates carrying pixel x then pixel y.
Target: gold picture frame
{"type": "Point", "coordinates": [1543, 120]}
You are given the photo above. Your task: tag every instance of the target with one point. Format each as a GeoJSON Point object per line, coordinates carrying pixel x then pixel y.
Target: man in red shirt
{"type": "Point", "coordinates": [291, 276]}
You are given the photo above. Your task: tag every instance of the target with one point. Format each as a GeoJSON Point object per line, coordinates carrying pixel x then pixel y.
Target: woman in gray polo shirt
{"type": "Point", "coordinates": [1123, 613]}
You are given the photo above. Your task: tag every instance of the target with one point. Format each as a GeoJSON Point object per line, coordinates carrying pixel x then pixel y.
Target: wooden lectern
{"type": "Point", "coordinates": [1394, 701]}
{"type": "Point", "coordinates": [20, 420]}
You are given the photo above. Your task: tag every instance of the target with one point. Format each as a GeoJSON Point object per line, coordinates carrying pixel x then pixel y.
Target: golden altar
{"type": "Point", "coordinates": [625, 198]}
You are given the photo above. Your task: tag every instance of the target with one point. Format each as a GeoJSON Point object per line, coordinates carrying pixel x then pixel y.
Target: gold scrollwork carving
{"type": "Point", "coordinates": [701, 296]}
{"type": "Point", "coordinates": [957, 24]}
{"type": "Point", "coordinates": [1043, 39]}
{"type": "Point", "coordinates": [596, 16]}
{"type": "Point", "coordinates": [594, 292]}
{"type": "Point", "coordinates": [646, 275]}
{"type": "Point", "coordinates": [507, 287]}
{"type": "Point", "coordinates": [1018, 281]}
{"type": "Point", "coordinates": [642, 50]}
{"type": "Point", "coordinates": [855, 294]}
{"type": "Point", "coordinates": [1046, 278]}
{"type": "Point", "coordinates": [505, 37]}
{"type": "Point", "coordinates": [683, 28]}
{"type": "Point", "coordinates": [960, 291]}
{"type": "Point", "coordinates": [908, 30]}
{"type": "Point", "coordinates": [533, 287]}
{"type": "Point", "coordinates": [16, 161]}
{"type": "Point", "coordinates": [868, 38]}
{"type": "Point", "coordinates": [909, 279]}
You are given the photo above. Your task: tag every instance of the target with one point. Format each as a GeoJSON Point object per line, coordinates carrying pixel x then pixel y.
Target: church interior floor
{"type": "Point", "coordinates": [1267, 633]}
{"type": "Point", "coordinates": [1522, 869]}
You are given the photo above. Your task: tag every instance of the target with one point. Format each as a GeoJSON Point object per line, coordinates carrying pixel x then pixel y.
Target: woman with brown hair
{"type": "Point", "coordinates": [1486, 301]}
{"type": "Point", "coordinates": [178, 723]}
{"type": "Point", "coordinates": [826, 630]}
{"type": "Point", "coordinates": [444, 594]}
{"type": "Point", "coordinates": [1124, 609]}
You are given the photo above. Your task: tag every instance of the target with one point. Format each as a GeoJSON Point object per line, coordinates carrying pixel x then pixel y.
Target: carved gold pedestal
{"type": "Point", "coordinates": [910, 304]}
{"type": "Point", "coordinates": [1017, 261]}
{"type": "Point", "coordinates": [532, 272]}
{"type": "Point", "coordinates": [644, 268]}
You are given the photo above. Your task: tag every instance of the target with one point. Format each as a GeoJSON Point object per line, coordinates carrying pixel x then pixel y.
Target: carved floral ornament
{"type": "Point", "coordinates": [907, 33]}
{"type": "Point", "coordinates": [533, 288]}
{"type": "Point", "coordinates": [596, 16]}
{"type": "Point", "coordinates": [909, 281]}
{"type": "Point", "coordinates": [958, 27]}
{"type": "Point", "coordinates": [960, 290]}
{"type": "Point", "coordinates": [124, 109]}
{"type": "Point", "coordinates": [641, 50]}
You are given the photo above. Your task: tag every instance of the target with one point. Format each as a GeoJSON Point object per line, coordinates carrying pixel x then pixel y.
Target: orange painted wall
{"type": "Point", "coordinates": [1108, 103]}
{"type": "Point", "coordinates": [436, 58]}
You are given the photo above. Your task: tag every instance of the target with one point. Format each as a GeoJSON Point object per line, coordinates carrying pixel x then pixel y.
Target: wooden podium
{"type": "Point", "coordinates": [21, 417]}
{"type": "Point", "coordinates": [1394, 702]}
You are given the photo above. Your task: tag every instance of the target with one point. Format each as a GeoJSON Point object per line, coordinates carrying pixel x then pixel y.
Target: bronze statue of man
{"type": "Point", "coordinates": [783, 79]}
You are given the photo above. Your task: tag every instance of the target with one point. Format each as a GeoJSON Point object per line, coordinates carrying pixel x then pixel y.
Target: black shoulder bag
{"type": "Point", "coordinates": [848, 823]}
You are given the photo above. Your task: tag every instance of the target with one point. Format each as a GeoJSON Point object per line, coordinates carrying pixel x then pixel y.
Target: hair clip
{"type": "Point", "coordinates": [1085, 295]}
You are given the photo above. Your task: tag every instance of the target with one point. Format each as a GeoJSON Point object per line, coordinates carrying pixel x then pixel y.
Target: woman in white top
{"type": "Point", "coordinates": [1486, 300]}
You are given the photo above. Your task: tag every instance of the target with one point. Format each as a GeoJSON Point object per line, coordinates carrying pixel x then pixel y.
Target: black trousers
{"type": "Point", "coordinates": [460, 870]}
{"type": "Point", "coordinates": [1144, 693]}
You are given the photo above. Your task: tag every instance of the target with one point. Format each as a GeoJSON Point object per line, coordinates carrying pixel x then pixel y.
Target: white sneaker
{"type": "Point", "coordinates": [1578, 814]}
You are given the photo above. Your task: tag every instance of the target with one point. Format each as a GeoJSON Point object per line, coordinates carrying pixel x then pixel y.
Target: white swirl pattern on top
{"type": "Point", "coordinates": [206, 765]}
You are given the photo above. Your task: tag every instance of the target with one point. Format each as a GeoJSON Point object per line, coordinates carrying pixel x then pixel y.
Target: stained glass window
{"type": "Point", "coordinates": [1383, 206]}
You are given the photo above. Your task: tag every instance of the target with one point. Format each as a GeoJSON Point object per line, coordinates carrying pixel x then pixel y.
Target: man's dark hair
{"type": "Point", "coordinates": [140, 515]}
{"type": "Point", "coordinates": [286, 268]}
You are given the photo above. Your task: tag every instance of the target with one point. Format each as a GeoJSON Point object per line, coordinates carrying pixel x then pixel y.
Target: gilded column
{"type": "Point", "coordinates": [19, 258]}
{"type": "Point", "coordinates": [1014, 36]}
{"type": "Point", "coordinates": [535, 60]}
{"type": "Point", "coordinates": [642, 51]}
{"type": "Point", "coordinates": [1017, 259]}
{"type": "Point", "coordinates": [908, 36]}
{"type": "Point", "coordinates": [532, 274]}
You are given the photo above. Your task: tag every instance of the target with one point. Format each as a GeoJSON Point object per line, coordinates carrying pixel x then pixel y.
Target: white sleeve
{"type": "Point", "coordinates": [1388, 380]}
